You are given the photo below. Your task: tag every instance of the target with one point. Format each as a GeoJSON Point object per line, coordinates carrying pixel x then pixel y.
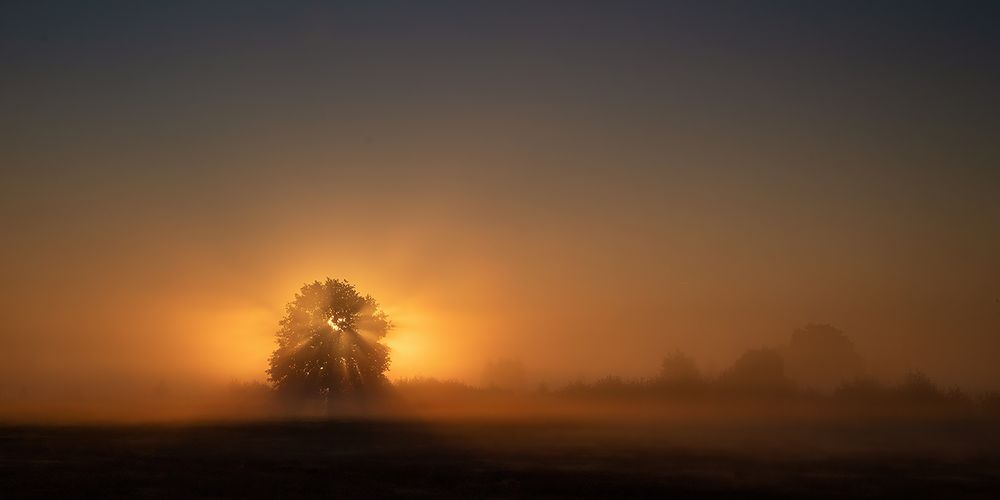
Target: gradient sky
{"type": "Point", "coordinates": [583, 185]}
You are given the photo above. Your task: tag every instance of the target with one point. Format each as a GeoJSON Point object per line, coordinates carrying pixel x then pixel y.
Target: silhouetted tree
{"type": "Point", "coordinates": [757, 371]}
{"type": "Point", "coordinates": [679, 376]}
{"type": "Point", "coordinates": [329, 343]}
{"type": "Point", "coordinates": [860, 389]}
{"type": "Point", "coordinates": [678, 367]}
{"type": "Point", "coordinates": [821, 357]}
{"type": "Point", "coordinates": [918, 387]}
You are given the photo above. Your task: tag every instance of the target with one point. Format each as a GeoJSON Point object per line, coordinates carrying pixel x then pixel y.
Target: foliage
{"type": "Point", "coordinates": [821, 356]}
{"type": "Point", "coordinates": [757, 371]}
{"type": "Point", "coordinates": [679, 368]}
{"type": "Point", "coordinates": [329, 343]}
{"type": "Point", "coordinates": [917, 386]}
{"type": "Point", "coordinates": [860, 389]}
{"type": "Point", "coordinates": [428, 386]}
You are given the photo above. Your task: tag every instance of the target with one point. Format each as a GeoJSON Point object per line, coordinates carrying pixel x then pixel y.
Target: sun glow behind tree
{"type": "Point", "coordinates": [329, 343]}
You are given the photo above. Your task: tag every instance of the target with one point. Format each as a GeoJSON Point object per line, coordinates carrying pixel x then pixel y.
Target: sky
{"type": "Point", "coordinates": [584, 186]}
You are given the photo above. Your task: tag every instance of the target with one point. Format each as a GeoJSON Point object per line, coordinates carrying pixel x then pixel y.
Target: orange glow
{"type": "Point", "coordinates": [585, 211]}
{"type": "Point", "coordinates": [236, 343]}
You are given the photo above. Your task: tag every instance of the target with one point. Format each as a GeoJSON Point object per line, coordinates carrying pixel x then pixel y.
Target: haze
{"type": "Point", "coordinates": [580, 187]}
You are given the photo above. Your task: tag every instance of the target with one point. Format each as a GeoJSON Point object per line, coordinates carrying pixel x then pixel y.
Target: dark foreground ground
{"type": "Point", "coordinates": [350, 459]}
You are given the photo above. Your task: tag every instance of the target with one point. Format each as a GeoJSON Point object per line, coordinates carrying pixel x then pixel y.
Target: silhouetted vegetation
{"type": "Point", "coordinates": [329, 343]}
{"type": "Point", "coordinates": [757, 372]}
{"type": "Point", "coordinates": [505, 374]}
{"type": "Point", "coordinates": [821, 357]}
{"type": "Point", "coordinates": [679, 368]}
{"type": "Point", "coordinates": [427, 386]}
{"type": "Point", "coordinates": [860, 389]}
{"type": "Point", "coordinates": [829, 374]}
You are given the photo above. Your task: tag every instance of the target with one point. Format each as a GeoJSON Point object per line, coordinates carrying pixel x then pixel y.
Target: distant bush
{"type": "Point", "coordinates": [956, 395]}
{"type": "Point", "coordinates": [820, 357]}
{"type": "Point", "coordinates": [678, 368]}
{"type": "Point", "coordinates": [915, 387]}
{"type": "Point", "coordinates": [432, 387]}
{"type": "Point", "coordinates": [609, 386]}
{"type": "Point", "coordinates": [918, 387]}
{"type": "Point", "coordinates": [757, 372]}
{"type": "Point", "coordinates": [990, 401]}
{"type": "Point", "coordinates": [679, 377]}
{"type": "Point", "coordinates": [860, 389]}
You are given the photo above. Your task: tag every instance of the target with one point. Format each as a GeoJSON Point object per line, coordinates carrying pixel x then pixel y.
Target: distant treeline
{"type": "Point", "coordinates": [819, 362]}
{"type": "Point", "coordinates": [914, 388]}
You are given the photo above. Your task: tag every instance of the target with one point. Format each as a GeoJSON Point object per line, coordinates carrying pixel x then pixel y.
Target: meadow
{"type": "Point", "coordinates": [466, 457]}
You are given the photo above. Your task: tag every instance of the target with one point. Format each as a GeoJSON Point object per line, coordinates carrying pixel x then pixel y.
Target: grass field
{"type": "Point", "coordinates": [511, 458]}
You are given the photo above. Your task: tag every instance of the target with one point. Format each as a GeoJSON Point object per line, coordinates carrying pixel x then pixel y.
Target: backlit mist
{"type": "Point", "coordinates": [580, 188]}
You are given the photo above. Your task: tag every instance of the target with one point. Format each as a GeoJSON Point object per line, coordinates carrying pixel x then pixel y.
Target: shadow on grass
{"type": "Point", "coordinates": [359, 458]}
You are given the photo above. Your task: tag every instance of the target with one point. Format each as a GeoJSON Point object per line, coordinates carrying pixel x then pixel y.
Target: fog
{"type": "Point", "coordinates": [164, 192]}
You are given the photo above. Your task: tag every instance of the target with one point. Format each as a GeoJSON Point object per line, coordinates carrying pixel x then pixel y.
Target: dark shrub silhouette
{"type": "Point", "coordinates": [957, 396]}
{"type": "Point", "coordinates": [611, 386]}
{"type": "Point", "coordinates": [679, 376]}
{"type": "Point", "coordinates": [990, 401]}
{"type": "Point", "coordinates": [757, 371]}
{"type": "Point", "coordinates": [506, 374]}
{"type": "Point", "coordinates": [860, 389]}
{"type": "Point", "coordinates": [432, 388]}
{"type": "Point", "coordinates": [329, 343]}
{"type": "Point", "coordinates": [917, 387]}
{"type": "Point", "coordinates": [821, 357]}
{"type": "Point", "coordinates": [678, 368]}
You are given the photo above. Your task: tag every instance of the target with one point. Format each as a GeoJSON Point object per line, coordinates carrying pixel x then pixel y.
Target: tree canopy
{"type": "Point", "coordinates": [757, 371]}
{"type": "Point", "coordinates": [678, 367]}
{"type": "Point", "coordinates": [822, 357]}
{"type": "Point", "coordinates": [329, 343]}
